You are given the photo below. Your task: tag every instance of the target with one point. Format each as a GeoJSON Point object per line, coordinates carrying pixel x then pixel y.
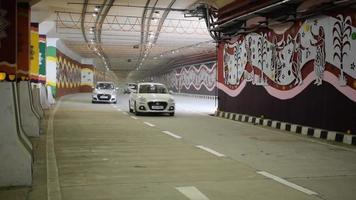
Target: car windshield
{"type": "Point", "coordinates": [160, 89]}
{"type": "Point", "coordinates": [132, 86]}
{"type": "Point", "coordinates": [104, 86]}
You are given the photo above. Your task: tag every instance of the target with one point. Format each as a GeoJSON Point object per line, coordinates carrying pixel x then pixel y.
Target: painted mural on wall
{"type": "Point", "coordinates": [51, 65]}
{"type": "Point", "coordinates": [87, 78]}
{"type": "Point", "coordinates": [302, 66]}
{"type": "Point", "coordinates": [316, 50]}
{"type": "Point", "coordinates": [34, 53]}
{"type": "Point", "coordinates": [42, 59]}
{"type": "Point", "coordinates": [196, 79]}
{"type": "Point", "coordinates": [68, 75]}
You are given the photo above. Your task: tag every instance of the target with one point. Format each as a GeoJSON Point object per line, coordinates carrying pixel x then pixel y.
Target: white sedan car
{"type": "Point", "coordinates": [104, 92]}
{"type": "Point", "coordinates": [151, 97]}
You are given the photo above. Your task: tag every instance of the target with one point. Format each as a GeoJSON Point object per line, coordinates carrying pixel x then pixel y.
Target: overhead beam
{"type": "Point", "coordinates": [131, 6]}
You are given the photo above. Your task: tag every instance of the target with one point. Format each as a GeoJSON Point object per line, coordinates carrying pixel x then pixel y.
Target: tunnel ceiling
{"type": "Point", "coordinates": [133, 32]}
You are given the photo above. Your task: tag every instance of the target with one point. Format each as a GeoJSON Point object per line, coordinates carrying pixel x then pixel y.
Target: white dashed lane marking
{"type": "Point", "coordinates": [192, 193]}
{"type": "Point", "coordinates": [133, 117]}
{"type": "Point", "coordinates": [149, 124]}
{"type": "Point", "coordinates": [210, 151]}
{"type": "Point", "coordinates": [172, 134]}
{"type": "Point", "coordinates": [287, 183]}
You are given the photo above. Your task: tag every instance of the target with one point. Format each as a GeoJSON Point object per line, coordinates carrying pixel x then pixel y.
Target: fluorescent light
{"type": "Point", "coordinates": [97, 8]}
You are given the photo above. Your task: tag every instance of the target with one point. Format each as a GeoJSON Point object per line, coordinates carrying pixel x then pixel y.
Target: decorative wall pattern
{"type": "Point", "coordinates": [68, 75]}
{"type": "Point", "coordinates": [34, 53]}
{"type": "Point", "coordinates": [87, 78]}
{"type": "Point", "coordinates": [196, 79]}
{"type": "Point", "coordinates": [51, 65]}
{"type": "Point", "coordinates": [314, 51]}
{"type": "Point", "coordinates": [42, 58]}
{"type": "Point", "coordinates": [311, 56]}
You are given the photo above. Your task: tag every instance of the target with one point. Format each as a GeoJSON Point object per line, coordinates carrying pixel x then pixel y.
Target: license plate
{"type": "Point", "coordinates": [104, 97]}
{"type": "Point", "coordinates": [157, 107]}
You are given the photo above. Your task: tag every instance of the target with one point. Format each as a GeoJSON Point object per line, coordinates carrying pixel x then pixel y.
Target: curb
{"type": "Point", "coordinates": [294, 128]}
{"type": "Point", "coordinates": [196, 95]}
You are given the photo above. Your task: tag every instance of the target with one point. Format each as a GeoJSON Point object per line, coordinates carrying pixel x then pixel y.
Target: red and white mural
{"type": "Point", "coordinates": [310, 56]}
{"type": "Point", "coordinates": [195, 79]}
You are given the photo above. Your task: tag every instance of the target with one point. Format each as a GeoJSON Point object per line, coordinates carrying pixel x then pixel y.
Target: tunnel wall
{"type": "Point", "coordinates": [68, 75]}
{"type": "Point", "coordinates": [74, 77]}
{"type": "Point", "coordinates": [304, 75]}
{"type": "Point", "coordinates": [87, 78]}
{"type": "Point", "coordinates": [191, 79]}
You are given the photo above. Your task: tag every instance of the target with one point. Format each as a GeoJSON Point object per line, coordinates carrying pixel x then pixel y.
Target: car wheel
{"type": "Point", "coordinates": [171, 114]}
{"type": "Point", "coordinates": [130, 109]}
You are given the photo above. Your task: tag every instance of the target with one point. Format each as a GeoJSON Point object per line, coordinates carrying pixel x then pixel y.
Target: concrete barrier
{"type": "Point", "coordinates": [196, 95]}
{"type": "Point", "coordinates": [43, 97]}
{"type": "Point", "coordinates": [293, 128]}
{"type": "Point", "coordinates": [50, 98]}
{"type": "Point", "coordinates": [15, 148]}
{"type": "Point", "coordinates": [30, 121]}
{"type": "Point", "coordinates": [36, 102]}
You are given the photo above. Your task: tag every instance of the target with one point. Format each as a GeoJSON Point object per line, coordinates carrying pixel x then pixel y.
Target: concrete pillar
{"type": "Point", "coordinates": [30, 121]}
{"type": "Point", "coordinates": [15, 148]}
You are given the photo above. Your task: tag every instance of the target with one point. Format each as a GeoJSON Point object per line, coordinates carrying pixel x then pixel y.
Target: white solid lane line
{"type": "Point", "coordinates": [287, 183]}
{"type": "Point", "coordinates": [149, 124]}
{"type": "Point", "coordinates": [210, 151]}
{"type": "Point", "coordinates": [192, 193]}
{"type": "Point", "coordinates": [172, 134]}
{"type": "Point", "coordinates": [133, 117]}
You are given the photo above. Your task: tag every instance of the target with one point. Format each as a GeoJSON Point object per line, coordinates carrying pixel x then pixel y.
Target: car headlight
{"type": "Point", "coordinates": [95, 91]}
{"type": "Point", "coordinates": [142, 99]}
{"type": "Point", "coordinates": [171, 100]}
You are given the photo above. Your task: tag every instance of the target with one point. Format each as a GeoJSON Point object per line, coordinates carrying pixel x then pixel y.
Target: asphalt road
{"type": "Point", "coordinates": [104, 152]}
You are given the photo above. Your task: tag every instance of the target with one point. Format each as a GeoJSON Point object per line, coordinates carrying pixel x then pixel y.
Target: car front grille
{"type": "Point", "coordinates": [104, 96]}
{"type": "Point", "coordinates": [154, 105]}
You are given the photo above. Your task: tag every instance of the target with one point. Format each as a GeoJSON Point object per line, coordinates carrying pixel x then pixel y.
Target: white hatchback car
{"type": "Point", "coordinates": [151, 97]}
{"type": "Point", "coordinates": [104, 92]}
